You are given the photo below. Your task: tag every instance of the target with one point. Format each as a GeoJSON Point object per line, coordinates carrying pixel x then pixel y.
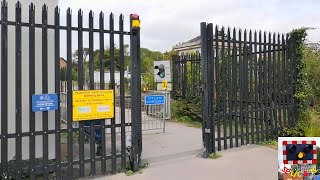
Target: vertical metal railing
{"type": "Point", "coordinates": [4, 88]}
{"type": "Point", "coordinates": [40, 157]}
{"type": "Point", "coordinates": [18, 93]}
{"type": "Point", "coordinates": [252, 90]}
{"type": "Point", "coordinates": [57, 91]}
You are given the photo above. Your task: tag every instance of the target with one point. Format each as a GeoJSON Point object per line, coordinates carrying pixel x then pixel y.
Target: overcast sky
{"type": "Point", "coordinates": [167, 22]}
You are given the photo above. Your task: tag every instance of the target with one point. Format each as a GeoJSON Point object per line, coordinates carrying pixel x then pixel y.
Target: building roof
{"type": "Point", "coordinates": [194, 43]}
{"type": "Point", "coordinates": [189, 44]}
{"type": "Point", "coordinates": [61, 58]}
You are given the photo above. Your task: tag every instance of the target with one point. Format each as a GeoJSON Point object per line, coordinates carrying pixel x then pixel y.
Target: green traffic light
{"type": "Point", "coordinates": [161, 75]}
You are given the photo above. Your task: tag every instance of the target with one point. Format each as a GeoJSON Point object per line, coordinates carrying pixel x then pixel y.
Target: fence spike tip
{"type": "Point", "coordinates": [56, 9]}
{"type": "Point", "coordinates": [4, 3]}
{"type": "Point", "coordinates": [18, 4]}
{"type": "Point", "coordinates": [101, 15]}
{"type": "Point", "coordinates": [31, 6]}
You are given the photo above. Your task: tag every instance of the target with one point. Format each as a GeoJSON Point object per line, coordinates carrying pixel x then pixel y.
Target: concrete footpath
{"type": "Point", "coordinates": [176, 155]}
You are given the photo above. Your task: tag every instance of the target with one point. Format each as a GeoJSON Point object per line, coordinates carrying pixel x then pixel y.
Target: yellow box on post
{"type": "Point", "coordinates": [135, 23]}
{"type": "Point", "coordinates": [93, 104]}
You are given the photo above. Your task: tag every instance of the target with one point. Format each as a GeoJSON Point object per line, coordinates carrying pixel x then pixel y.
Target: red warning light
{"type": "Point", "coordinates": [134, 16]}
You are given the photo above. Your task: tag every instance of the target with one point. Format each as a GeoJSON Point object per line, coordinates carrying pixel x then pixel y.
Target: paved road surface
{"type": "Point", "coordinates": [176, 155]}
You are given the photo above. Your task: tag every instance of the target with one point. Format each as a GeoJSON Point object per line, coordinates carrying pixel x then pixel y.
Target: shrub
{"type": "Point", "coordinates": [187, 108]}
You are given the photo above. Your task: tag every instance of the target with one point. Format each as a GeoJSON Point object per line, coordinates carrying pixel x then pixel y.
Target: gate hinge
{"type": "Point", "coordinates": [207, 130]}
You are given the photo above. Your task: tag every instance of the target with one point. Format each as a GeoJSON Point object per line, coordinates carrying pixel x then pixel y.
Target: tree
{"type": "Point", "coordinates": [147, 69]}
{"type": "Point", "coordinates": [63, 75]}
{"type": "Point", "coordinates": [107, 62]}
{"type": "Point", "coordinates": [168, 55]}
{"type": "Point", "coordinates": [85, 54]}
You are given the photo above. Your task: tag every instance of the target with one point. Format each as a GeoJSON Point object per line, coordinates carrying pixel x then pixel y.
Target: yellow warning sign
{"type": "Point", "coordinates": [164, 85]}
{"type": "Point", "coordinates": [93, 104]}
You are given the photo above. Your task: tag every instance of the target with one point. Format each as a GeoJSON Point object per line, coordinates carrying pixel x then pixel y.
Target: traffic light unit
{"type": "Point", "coordinates": [161, 69]}
{"type": "Point", "coordinates": [299, 152]}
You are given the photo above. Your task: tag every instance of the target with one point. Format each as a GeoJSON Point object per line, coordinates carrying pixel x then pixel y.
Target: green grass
{"type": "Point", "coordinates": [188, 122]}
{"type": "Point", "coordinates": [271, 144]}
{"type": "Point", "coordinates": [312, 127]}
{"type": "Point", "coordinates": [129, 171]}
{"type": "Point", "coordinates": [215, 156]}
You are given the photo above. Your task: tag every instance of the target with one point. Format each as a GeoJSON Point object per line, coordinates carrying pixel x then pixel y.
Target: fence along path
{"type": "Point", "coordinates": [247, 85]}
{"type": "Point", "coordinates": [37, 144]}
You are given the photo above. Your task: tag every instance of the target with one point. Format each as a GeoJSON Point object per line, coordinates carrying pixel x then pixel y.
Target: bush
{"type": "Point", "coordinates": [297, 131]}
{"type": "Point", "coordinates": [308, 125]}
{"type": "Point", "coordinates": [190, 108]}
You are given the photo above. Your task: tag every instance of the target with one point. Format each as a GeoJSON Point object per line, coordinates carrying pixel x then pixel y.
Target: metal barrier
{"type": "Point", "coordinates": [37, 144]}
{"type": "Point", "coordinates": [167, 104]}
{"type": "Point", "coordinates": [154, 116]}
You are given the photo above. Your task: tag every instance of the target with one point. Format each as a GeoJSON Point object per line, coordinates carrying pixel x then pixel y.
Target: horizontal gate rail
{"type": "Point", "coordinates": [25, 24]}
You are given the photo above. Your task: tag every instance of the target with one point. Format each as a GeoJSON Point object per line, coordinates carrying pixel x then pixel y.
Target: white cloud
{"type": "Point", "coordinates": [164, 23]}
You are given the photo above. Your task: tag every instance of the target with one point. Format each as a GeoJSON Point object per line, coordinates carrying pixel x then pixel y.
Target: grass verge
{"type": "Point", "coordinates": [271, 144]}
{"type": "Point", "coordinates": [185, 120]}
{"type": "Point", "coordinates": [313, 121]}
{"type": "Point", "coordinates": [129, 171]}
{"type": "Point", "coordinates": [215, 156]}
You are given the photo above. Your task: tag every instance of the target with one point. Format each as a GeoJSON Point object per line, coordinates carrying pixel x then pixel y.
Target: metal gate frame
{"type": "Point", "coordinates": [261, 102]}
{"type": "Point", "coordinates": [44, 166]}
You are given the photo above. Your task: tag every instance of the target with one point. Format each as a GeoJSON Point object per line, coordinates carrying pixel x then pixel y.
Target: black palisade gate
{"type": "Point", "coordinates": [21, 159]}
{"type": "Point", "coordinates": [248, 86]}
{"type": "Point", "coordinates": [247, 83]}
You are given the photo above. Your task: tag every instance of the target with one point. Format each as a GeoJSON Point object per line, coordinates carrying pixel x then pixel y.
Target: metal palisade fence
{"type": "Point", "coordinates": [186, 70]}
{"type": "Point", "coordinates": [249, 81]}
{"type": "Point", "coordinates": [39, 144]}
{"type": "Point", "coordinates": [248, 84]}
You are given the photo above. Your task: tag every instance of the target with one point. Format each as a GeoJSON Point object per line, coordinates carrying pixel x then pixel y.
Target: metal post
{"type": "Point", "coordinates": [164, 115]}
{"type": "Point", "coordinates": [80, 87]}
{"type": "Point", "coordinates": [32, 128]}
{"type": "Point", "coordinates": [207, 128]}
{"type": "Point", "coordinates": [57, 90]}
{"type": "Point", "coordinates": [112, 86]}
{"type": "Point", "coordinates": [69, 94]}
{"type": "Point", "coordinates": [135, 93]}
{"type": "Point", "coordinates": [91, 87]}
{"type": "Point", "coordinates": [45, 114]}
{"type": "Point", "coordinates": [18, 93]}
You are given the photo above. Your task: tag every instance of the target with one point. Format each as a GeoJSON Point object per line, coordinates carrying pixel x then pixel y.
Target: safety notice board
{"type": "Point", "coordinates": [93, 104]}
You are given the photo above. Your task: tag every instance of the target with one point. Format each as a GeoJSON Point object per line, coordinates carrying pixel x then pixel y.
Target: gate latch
{"type": "Point", "coordinates": [207, 130]}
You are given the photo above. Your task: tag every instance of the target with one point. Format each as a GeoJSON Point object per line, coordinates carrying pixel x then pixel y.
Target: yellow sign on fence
{"type": "Point", "coordinates": [93, 104]}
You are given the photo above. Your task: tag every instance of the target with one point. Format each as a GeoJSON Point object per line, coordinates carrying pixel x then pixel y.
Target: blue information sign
{"type": "Point", "coordinates": [44, 102]}
{"type": "Point", "coordinates": [154, 100]}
